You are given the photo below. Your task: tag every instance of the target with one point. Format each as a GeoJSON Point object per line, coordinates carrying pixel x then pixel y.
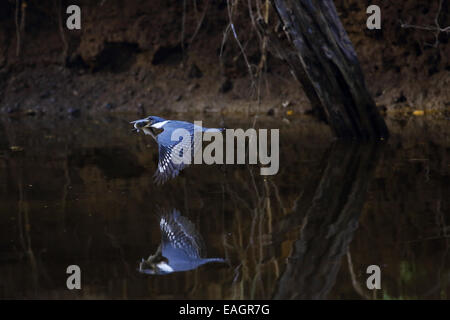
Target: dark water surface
{"type": "Point", "coordinates": [80, 191]}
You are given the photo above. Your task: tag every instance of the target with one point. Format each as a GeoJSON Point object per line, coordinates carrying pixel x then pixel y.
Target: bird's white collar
{"type": "Point", "coordinates": [164, 267]}
{"type": "Point", "coordinates": [159, 124]}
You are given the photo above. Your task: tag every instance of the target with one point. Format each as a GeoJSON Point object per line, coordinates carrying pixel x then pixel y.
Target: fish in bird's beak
{"type": "Point", "coordinates": [140, 124]}
{"type": "Point", "coordinates": [148, 266]}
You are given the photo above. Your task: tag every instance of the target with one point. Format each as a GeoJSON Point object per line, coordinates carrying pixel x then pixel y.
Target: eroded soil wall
{"type": "Point", "coordinates": [160, 55]}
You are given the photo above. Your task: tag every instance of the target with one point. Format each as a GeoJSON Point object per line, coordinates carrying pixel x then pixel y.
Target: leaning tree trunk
{"type": "Point", "coordinates": [330, 68]}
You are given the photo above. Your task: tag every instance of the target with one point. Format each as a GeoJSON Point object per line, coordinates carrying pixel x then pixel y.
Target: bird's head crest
{"type": "Point", "coordinates": [154, 119]}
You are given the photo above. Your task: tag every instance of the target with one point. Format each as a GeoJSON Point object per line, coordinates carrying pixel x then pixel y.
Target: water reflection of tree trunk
{"type": "Point", "coordinates": [328, 215]}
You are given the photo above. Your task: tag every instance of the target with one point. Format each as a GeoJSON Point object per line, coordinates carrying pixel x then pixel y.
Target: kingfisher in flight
{"type": "Point", "coordinates": [181, 249]}
{"type": "Point", "coordinates": [171, 160]}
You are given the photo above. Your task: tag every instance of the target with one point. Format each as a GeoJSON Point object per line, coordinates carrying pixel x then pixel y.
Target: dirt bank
{"type": "Point", "coordinates": [139, 56]}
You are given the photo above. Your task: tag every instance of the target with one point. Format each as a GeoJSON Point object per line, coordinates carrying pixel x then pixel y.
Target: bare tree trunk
{"type": "Point", "coordinates": [330, 68]}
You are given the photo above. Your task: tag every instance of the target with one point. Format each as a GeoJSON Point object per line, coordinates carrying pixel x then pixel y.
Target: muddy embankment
{"type": "Point", "coordinates": [159, 56]}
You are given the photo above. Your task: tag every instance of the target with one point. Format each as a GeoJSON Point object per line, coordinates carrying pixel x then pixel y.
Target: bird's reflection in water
{"type": "Point", "coordinates": [181, 249]}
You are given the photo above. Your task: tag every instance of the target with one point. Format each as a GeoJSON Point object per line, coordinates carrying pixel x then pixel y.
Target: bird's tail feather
{"type": "Point", "coordinates": [215, 260]}
{"type": "Point", "coordinates": [214, 129]}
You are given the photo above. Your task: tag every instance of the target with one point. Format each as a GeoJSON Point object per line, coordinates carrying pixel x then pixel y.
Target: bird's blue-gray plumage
{"type": "Point", "coordinates": [181, 248]}
{"type": "Point", "coordinates": [171, 160]}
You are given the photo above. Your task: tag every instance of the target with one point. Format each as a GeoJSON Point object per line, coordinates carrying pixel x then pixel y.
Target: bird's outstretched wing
{"type": "Point", "coordinates": [167, 167]}
{"type": "Point", "coordinates": [171, 154]}
{"type": "Point", "coordinates": [180, 233]}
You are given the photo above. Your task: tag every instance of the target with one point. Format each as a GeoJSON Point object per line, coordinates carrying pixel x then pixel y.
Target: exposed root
{"type": "Point", "coordinates": [61, 32]}
{"type": "Point", "coordinates": [437, 29]}
{"type": "Point", "coordinates": [21, 7]}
